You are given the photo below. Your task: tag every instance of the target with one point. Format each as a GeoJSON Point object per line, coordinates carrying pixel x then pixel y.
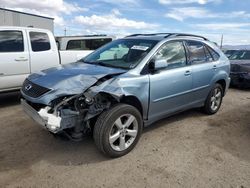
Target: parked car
{"type": "Point", "coordinates": [126, 85]}
{"type": "Point", "coordinates": [80, 46]}
{"type": "Point", "coordinates": [229, 53]}
{"type": "Point", "coordinates": [25, 50]}
{"type": "Point", "coordinates": [240, 68]}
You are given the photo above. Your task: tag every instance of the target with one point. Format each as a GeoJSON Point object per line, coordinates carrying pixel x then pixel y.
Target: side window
{"type": "Point", "coordinates": [11, 41]}
{"type": "Point", "coordinates": [215, 55]}
{"type": "Point", "coordinates": [208, 54]}
{"type": "Point", "coordinates": [196, 52]}
{"type": "Point", "coordinates": [39, 41]}
{"type": "Point", "coordinates": [87, 44]}
{"type": "Point", "coordinates": [174, 53]}
{"type": "Point", "coordinates": [77, 45]}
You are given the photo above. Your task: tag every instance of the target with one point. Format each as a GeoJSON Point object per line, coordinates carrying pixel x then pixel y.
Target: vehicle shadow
{"type": "Point", "coordinates": [196, 113]}
{"type": "Point", "coordinates": [9, 98]}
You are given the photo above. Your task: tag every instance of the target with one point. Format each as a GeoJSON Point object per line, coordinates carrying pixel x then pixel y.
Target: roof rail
{"type": "Point", "coordinates": [94, 35]}
{"type": "Point", "coordinates": [186, 35]}
{"type": "Point", "coordinates": [150, 34]}
{"type": "Point", "coordinates": [170, 35]}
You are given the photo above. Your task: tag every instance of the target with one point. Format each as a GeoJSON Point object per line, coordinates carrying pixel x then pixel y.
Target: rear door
{"type": "Point", "coordinates": [43, 51]}
{"type": "Point", "coordinates": [14, 59]}
{"type": "Point", "coordinates": [170, 88]}
{"type": "Point", "coordinates": [203, 69]}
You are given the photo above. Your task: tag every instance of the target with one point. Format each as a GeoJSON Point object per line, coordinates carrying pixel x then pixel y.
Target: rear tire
{"type": "Point", "coordinates": [214, 100]}
{"type": "Point", "coordinates": [118, 130]}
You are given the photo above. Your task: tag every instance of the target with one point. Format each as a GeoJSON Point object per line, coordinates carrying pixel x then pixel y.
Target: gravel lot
{"type": "Point", "coordinates": [186, 150]}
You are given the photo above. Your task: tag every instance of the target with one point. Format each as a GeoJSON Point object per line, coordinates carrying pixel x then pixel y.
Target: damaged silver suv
{"type": "Point", "coordinates": [126, 85]}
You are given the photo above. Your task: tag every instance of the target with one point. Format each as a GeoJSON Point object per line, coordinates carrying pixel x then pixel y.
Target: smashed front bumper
{"type": "Point", "coordinates": [53, 123]}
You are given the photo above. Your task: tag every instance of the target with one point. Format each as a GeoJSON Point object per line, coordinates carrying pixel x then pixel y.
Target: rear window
{"type": "Point", "coordinates": [215, 55]}
{"type": "Point", "coordinates": [87, 44]}
{"type": "Point", "coordinates": [208, 54]}
{"type": "Point", "coordinates": [11, 41]}
{"type": "Point", "coordinates": [39, 41]}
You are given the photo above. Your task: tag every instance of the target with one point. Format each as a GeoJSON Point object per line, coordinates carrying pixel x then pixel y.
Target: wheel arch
{"type": "Point", "coordinates": [221, 77]}
{"type": "Point", "coordinates": [126, 99]}
{"type": "Point", "coordinates": [133, 101]}
{"type": "Point", "coordinates": [222, 82]}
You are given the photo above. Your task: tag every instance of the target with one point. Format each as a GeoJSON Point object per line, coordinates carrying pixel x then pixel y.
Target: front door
{"type": "Point", "coordinates": [170, 88]}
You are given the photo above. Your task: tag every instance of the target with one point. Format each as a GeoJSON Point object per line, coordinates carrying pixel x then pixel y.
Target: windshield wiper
{"type": "Point", "coordinates": [102, 64]}
{"type": "Point", "coordinates": [82, 61]}
{"type": "Point", "coordinates": [105, 65]}
{"type": "Point", "coordinates": [113, 66]}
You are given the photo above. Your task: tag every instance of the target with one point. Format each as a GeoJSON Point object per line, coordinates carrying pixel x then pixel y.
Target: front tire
{"type": "Point", "coordinates": [118, 130]}
{"type": "Point", "coordinates": [214, 100]}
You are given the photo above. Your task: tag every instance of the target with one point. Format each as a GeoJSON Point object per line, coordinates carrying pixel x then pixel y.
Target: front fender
{"type": "Point", "coordinates": [136, 86]}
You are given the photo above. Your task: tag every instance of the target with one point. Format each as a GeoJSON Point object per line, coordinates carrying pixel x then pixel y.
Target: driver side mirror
{"type": "Point", "coordinates": [158, 64]}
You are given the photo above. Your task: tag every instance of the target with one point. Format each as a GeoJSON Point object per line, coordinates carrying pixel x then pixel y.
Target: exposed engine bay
{"type": "Point", "coordinates": [73, 114]}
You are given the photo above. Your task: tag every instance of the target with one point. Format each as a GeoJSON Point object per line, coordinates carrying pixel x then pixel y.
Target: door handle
{"type": "Point", "coordinates": [21, 59]}
{"type": "Point", "coordinates": [215, 67]}
{"type": "Point", "coordinates": [187, 73]}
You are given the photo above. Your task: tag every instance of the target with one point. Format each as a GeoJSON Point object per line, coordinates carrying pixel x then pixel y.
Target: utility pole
{"type": "Point", "coordinates": [221, 42]}
{"type": "Point", "coordinates": [65, 31]}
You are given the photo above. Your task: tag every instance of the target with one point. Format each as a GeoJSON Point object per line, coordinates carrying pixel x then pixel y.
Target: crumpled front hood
{"type": "Point", "coordinates": [69, 79]}
{"type": "Point", "coordinates": [240, 65]}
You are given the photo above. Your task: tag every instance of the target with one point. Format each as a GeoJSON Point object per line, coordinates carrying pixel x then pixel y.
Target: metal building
{"type": "Point", "coordinates": [15, 18]}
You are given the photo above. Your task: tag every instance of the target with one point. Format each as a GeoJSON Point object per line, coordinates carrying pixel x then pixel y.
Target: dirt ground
{"type": "Point", "coordinates": [186, 150]}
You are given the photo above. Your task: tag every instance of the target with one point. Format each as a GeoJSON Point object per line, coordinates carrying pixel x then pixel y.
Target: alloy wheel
{"type": "Point", "coordinates": [216, 99]}
{"type": "Point", "coordinates": [123, 132]}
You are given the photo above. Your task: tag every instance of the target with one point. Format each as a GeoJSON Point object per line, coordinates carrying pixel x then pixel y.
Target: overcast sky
{"type": "Point", "coordinates": [210, 18]}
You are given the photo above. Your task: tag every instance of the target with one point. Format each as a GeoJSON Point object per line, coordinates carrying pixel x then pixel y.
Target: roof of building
{"type": "Point", "coordinates": [5, 9]}
{"type": "Point", "coordinates": [26, 28]}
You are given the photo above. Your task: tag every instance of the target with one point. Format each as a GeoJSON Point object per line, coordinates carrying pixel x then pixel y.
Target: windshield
{"type": "Point", "coordinates": [229, 53]}
{"type": "Point", "coordinates": [123, 53]}
{"type": "Point", "coordinates": [241, 55]}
